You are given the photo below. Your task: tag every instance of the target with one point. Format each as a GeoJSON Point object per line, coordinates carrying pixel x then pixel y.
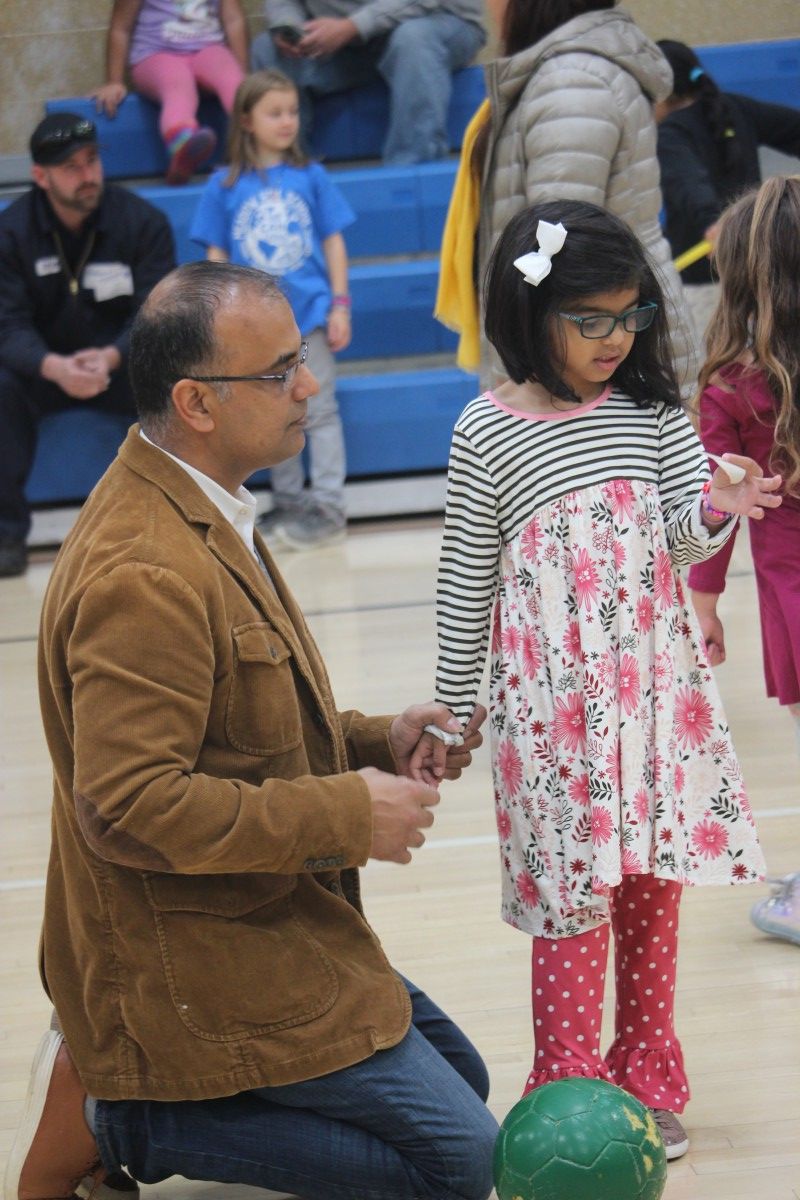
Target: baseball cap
{"type": "Point", "coordinates": [59, 135]}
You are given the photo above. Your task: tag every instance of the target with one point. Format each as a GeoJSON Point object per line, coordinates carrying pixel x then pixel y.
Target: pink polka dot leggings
{"type": "Point", "coordinates": [567, 995]}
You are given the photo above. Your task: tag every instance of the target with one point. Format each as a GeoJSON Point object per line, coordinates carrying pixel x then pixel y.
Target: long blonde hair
{"type": "Point", "coordinates": [757, 257]}
{"type": "Point", "coordinates": [242, 152]}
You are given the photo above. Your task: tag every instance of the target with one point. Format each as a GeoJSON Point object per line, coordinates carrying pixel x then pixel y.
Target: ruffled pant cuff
{"type": "Point", "coordinates": [543, 1075]}
{"type": "Point", "coordinates": [653, 1074]}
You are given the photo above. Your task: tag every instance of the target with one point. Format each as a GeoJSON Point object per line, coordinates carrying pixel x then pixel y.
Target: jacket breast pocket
{"type": "Point", "coordinates": [238, 963]}
{"type": "Point", "coordinates": [263, 714]}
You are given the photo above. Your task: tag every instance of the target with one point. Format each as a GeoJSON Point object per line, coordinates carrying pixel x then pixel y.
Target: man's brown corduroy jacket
{"type": "Point", "coordinates": [203, 933]}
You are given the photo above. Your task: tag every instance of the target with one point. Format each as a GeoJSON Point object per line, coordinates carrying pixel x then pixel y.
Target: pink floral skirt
{"type": "Point", "coordinates": [611, 752]}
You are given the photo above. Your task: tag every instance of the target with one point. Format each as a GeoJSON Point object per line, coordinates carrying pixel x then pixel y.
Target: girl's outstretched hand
{"type": "Point", "coordinates": [748, 498]}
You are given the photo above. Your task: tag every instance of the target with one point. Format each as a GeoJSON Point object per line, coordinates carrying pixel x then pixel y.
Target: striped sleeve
{"type": "Point", "coordinates": [467, 577]}
{"type": "Point", "coordinates": [682, 471]}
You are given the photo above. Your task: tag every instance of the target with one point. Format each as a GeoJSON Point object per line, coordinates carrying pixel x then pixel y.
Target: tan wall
{"type": "Point", "coordinates": [56, 47]}
{"type": "Point", "coordinates": [717, 22]}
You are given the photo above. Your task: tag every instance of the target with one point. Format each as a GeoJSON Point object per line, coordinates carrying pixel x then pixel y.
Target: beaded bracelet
{"type": "Point", "coordinates": [708, 507]}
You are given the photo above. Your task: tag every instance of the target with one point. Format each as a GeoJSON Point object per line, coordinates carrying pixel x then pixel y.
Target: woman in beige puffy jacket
{"type": "Point", "coordinates": [572, 118]}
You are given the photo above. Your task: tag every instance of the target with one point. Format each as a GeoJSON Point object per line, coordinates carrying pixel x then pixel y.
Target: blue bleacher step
{"type": "Point", "coordinates": [764, 70]}
{"type": "Point", "coordinates": [393, 311]}
{"type": "Point", "coordinates": [399, 210]}
{"type": "Point", "coordinates": [352, 125]}
{"type": "Point", "coordinates": [402, 421]}
{"type": "Point", "coordinates": [394, 423]}
{"type": "Point", "coordinates": [347, 125]}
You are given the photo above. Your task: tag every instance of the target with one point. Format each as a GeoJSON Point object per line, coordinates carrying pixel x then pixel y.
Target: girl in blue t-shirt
{"type": "Point", "coordinates": [273, 209]}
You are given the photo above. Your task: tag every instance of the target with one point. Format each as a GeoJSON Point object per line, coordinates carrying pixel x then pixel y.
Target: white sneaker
{"type": "Point", "coordinates": [312, 529]}
{"type": "Point", "coordinates": [779, 914]}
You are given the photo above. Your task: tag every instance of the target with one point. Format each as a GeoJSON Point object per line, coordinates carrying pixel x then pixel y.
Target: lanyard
{"type": "Point", "coordinates": [73, 276]}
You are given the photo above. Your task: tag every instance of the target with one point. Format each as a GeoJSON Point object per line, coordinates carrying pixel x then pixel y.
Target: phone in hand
{"type": "Point", "coordinates": [288, 33]}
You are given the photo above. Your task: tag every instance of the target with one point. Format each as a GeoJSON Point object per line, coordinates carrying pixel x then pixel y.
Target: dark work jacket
{"type": "Point", "coordinates": [132, 249]}
{"type": "Point", "coordinates": [694, 183]}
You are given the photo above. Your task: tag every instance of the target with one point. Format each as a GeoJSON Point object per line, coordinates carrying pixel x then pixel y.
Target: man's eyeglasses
{"type": "Point", "coordinates": [603, 325]}
{"type": "Point", "coordinates": [285, 378]}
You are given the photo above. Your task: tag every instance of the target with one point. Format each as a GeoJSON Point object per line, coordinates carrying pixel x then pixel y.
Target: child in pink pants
{"type": "Point", "coordinates": [173, 48]}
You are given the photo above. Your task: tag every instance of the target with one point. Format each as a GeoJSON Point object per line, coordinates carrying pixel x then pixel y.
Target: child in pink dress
{"type": "Point", "coordinates": [575, 490]}
{"type": "Point", "coordinates": [750, 404]}
{"type": "Point", "coordinates": [174, 47]}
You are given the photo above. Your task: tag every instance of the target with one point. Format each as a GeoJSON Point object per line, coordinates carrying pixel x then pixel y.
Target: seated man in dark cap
{"type": "Point", "coordinates": [76, 261]}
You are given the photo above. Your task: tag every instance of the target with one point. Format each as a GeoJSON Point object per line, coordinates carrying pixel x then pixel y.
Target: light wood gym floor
{"type": "Point", "coordinates": [370, 604]}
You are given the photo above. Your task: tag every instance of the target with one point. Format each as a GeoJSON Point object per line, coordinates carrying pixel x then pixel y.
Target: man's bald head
{"type": "Point", "coordinates": [174, 333]}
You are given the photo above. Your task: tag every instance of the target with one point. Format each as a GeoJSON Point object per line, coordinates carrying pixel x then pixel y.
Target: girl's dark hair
{"type": "Point", "coordinates": [691, 81]}
{"type": "Point", "coordinates": [757, 257]}
{"type": "Point", "coordinates": [526, 22]}
{"type": "Point", "coordinates": [600, 254]}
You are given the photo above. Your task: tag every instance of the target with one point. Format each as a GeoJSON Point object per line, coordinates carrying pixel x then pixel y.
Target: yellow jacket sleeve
{"type": "Point", "coordinates": [456, 299]}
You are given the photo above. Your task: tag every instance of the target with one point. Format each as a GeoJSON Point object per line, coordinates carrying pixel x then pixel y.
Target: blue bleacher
{"type": "Point", "coordinates": [351, 125]}
{"type": "Point", "coordinates": [347, 125]}
{"type": "Point", "coordinates": [765, 70]}
{"type": "Point", "coordinates": [399, 210]}
{"type": "Point", "coordinates": [395, 422]}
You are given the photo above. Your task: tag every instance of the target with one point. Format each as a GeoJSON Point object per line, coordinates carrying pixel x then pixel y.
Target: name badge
{"type": "Point", "coordinates": [47, 266]}
{"type": "Point", "coordinates": [108, 280]}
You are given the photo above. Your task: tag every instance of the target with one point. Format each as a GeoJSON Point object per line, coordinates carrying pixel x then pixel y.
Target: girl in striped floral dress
{"type": "Point", "coordinates": [576, 490]}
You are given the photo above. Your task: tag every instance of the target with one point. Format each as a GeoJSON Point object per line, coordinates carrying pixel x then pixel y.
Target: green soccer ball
{"type": "Point", "coordinates": [579, 1139]}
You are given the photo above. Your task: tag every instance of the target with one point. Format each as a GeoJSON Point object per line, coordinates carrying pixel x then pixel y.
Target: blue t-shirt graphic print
{"type": "Point", "coordinates": [273, 231]}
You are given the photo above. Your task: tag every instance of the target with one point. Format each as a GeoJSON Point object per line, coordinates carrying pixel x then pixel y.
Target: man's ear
{"type": "Point", "coordinates": [195, 405]}
{"type": "Point", "coordinates": [39, 176]}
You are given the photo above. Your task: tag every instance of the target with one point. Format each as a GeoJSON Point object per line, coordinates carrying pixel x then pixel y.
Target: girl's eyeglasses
{"type": "Point", "coordinates": [603, 325]}
{"type": "Point", "coordinates": [285, 378]}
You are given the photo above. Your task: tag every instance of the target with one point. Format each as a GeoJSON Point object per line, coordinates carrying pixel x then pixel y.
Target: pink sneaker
{"type": "Point", "coordinates": [188, 150]}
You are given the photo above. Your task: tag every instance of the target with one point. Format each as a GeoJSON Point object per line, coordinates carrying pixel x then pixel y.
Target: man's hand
{"type": "Point", "coordinates": [326, 35]}
{"type": "Point", "coordinates": [287, 49]}
{"type": "Point", "coordinates": [67, 372]}
{"type": "Point", "coordinates": [102, 360]}
{"type": "Point", "coordinates": [424, 757]}
{"type": "Point", "coordinates": [401, 809]}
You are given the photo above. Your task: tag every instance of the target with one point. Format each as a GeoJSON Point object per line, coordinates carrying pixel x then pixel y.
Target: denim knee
{"type": "Point", "coordinates": [478, 1077]}
{"type": "Point", "coordinates": [264, 53]}
{"type": "Point", "coordinates": [440, 42]}
{"type": "Point", "coordinates": [414, 46]}
{"type": "Point", "coordinates": [475, 1180]}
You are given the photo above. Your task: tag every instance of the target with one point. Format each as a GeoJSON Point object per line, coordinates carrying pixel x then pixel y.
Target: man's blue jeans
{"type": "Point", "coordinates": [416, 60]}
{"type": "Point", "coordinates": [408, 1123]}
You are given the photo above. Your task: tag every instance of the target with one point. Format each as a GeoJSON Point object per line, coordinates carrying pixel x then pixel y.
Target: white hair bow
{"type": "Point", "coordinates": [536, 265]}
